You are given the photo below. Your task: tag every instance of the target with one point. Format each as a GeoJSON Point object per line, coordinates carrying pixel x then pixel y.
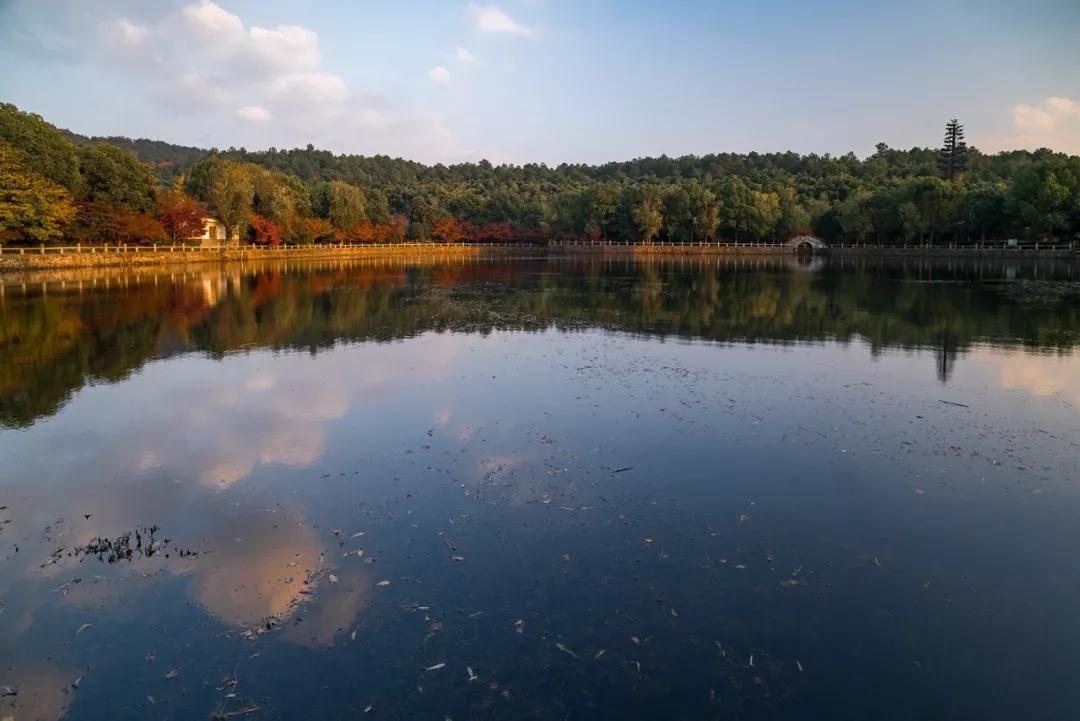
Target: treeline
{"type": "Point", "coordinates": [59, 186]}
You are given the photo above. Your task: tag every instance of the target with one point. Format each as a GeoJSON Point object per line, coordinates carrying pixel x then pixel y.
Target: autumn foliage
{"type": "Point", "coordinates": [181, 216]}
{"type": "Point", "coordinates": [448, 230]}
{"type": "Point", "coordinates": [100, 222]}
{"type": "Point", "coordinates": [265, 231]}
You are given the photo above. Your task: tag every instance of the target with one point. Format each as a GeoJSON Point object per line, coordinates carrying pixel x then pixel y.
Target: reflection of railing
{"type": "Point", "coordinates": [183, 248]}
{"type": "Point", "coordinates": [978, 245]}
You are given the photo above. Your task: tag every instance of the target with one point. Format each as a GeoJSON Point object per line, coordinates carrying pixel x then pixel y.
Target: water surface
{"type": "Point", "coordinates": [544, 488]}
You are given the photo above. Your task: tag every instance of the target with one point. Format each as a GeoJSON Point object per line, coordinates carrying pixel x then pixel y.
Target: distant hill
{"type": "Point", "coordinates": [165, 159]}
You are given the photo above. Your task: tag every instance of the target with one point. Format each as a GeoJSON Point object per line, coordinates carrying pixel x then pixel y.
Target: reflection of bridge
{"type": "Point", "coordinates": [806, 244]}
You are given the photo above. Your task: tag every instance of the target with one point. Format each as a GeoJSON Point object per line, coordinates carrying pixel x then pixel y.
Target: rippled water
{"type": "Point", "coordinates": [581, 488]}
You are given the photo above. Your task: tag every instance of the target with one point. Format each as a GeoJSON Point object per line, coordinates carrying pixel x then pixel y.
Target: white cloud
{"type": "Point", "coordinates": [131, 33]}
{"type": "Point", "coordinates": [492, 19]}
{"type": "Point", "coordinates": [463, 56]}
{"type": "Point", "coordinates": [303, 90]}
{"type": "Point", "coordinates": [254, 113]}
{"type": "Point", "coordinates": [288, 47]}
{"type": "Point", "coordinates": [203, 92]}
{"type": "Point", "coordinates": [1045, 117]}
{"type": "Point", "coordinates": [211, 23]}
{"type": "Point", "coordinates": [1054, 123]}
{"type": "Point", "coordinates": [439, 74]}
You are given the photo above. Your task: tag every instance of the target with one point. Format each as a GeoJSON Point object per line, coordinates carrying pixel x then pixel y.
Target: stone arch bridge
{"type": "Point", "coordinates": [807, 244]}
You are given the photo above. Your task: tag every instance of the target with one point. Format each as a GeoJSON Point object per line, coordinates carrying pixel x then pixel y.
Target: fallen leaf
{"type": "Point", "coordinates": [564, 649]}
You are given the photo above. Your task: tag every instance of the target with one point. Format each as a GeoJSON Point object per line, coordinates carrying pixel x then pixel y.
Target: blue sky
{"type": "Point", "coordinates": [549, 80]}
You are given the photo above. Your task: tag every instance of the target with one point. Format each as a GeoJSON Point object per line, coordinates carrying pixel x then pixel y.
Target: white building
{"type": "Point", "coordinates": [214, 233]}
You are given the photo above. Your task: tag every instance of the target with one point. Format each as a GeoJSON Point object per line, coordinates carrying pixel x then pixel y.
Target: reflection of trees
{"type": "Point", "coordinates": [53, 344]}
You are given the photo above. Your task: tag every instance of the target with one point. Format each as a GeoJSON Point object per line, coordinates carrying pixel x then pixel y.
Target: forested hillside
{"type": "Point", "coordinates": [58, 185]}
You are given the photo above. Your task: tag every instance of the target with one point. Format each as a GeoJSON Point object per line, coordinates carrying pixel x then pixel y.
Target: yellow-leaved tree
{"type": "Point", "coordinates": [32, 207]}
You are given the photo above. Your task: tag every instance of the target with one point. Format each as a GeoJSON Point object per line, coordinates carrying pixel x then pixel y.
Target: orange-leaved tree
{"type": "Point", "coordinates": [448, 230]}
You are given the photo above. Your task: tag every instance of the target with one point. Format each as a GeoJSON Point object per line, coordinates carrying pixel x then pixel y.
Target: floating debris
{"type": "Point", "coordinates": [564, 649]}
{"type": "Point", "coordinates": [333, 578]}
{"type": "Point", "coordinates": [382, 584]}
{"type": "Point", "coordinates": [600, 653]}
{"type": "Point", "coordinates": [436, 667]}
{"type": "Point", "coordinates": [798, 665]}
{"type": "Point", "coordinates": [457, 558]}
{"type": "Point", "coordinates": [472, 676]}
{"type": "Point", "coordinates": [82, 628]}
{"type": "Point", "coordinates": [519, 625]}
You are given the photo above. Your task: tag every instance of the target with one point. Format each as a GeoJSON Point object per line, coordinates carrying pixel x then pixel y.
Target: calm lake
{"type": "Point", "coordinates": [542, 488]}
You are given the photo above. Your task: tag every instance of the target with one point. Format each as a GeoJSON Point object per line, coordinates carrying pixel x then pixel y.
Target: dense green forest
{"type": "Point", "coordinates": [56, 186]}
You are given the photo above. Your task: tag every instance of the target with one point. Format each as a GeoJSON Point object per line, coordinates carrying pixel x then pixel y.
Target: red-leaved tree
{"type": "Point", "coordinates": [181, 216]}
{"type": "Point", "coordinates": [265, 231]}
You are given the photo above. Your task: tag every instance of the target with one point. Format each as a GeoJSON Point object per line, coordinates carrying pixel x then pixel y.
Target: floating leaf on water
{"type": "Point", "coordinates": [82, 628]}
{"type": "Point", "coordinates": [720, 648]}
{"type": "Point", "coordinates": [798, 665]}
{"type": "Point", "coordinates": [172, 673]}
{"type": "Point", "coordinates": [382, 584]}
{"type": "Point", "coordinates": [369, 708]}
{"type": "Point", "coordinates": [436, 667]}
{"type": "Point", "coordinates": [333, 578]}
{"type": "Point", "coordinates": [743, 518]}
{"type": "Point", "coordinates": [358, 534]}
{"type": "Point", "coordinates": [472, 676]}
{"type": "Point", "coordinates": [600, 653]}
{"type": "Point", "coordinates": [790, 583]}
{"type": "Point", "coordinates": [674, 613]}
{"type": "Point", "coordinates": [564, 649]}
{"type": "Point", "coordinates": [352, 636]}
{"type": "Point", "coordinates": [751, 660]}
{"type": "Point", "coordinates": [636, 640]}
{"type": "Point", "coordinates": [457, 558]}
{"type": "Point", "coordinates": [648, 541]}
{"type": "Point", "coordinates": [519, 625]}
{"type": "Point", "coordinates": [566, 557]}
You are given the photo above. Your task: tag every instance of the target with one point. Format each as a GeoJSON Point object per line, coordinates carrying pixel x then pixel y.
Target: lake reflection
{"type": "Point", "coordinates": [542, 488]}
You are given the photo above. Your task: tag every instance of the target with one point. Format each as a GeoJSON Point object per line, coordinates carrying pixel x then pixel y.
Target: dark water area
{"type": "Point", "coordinates": [542, 488]}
